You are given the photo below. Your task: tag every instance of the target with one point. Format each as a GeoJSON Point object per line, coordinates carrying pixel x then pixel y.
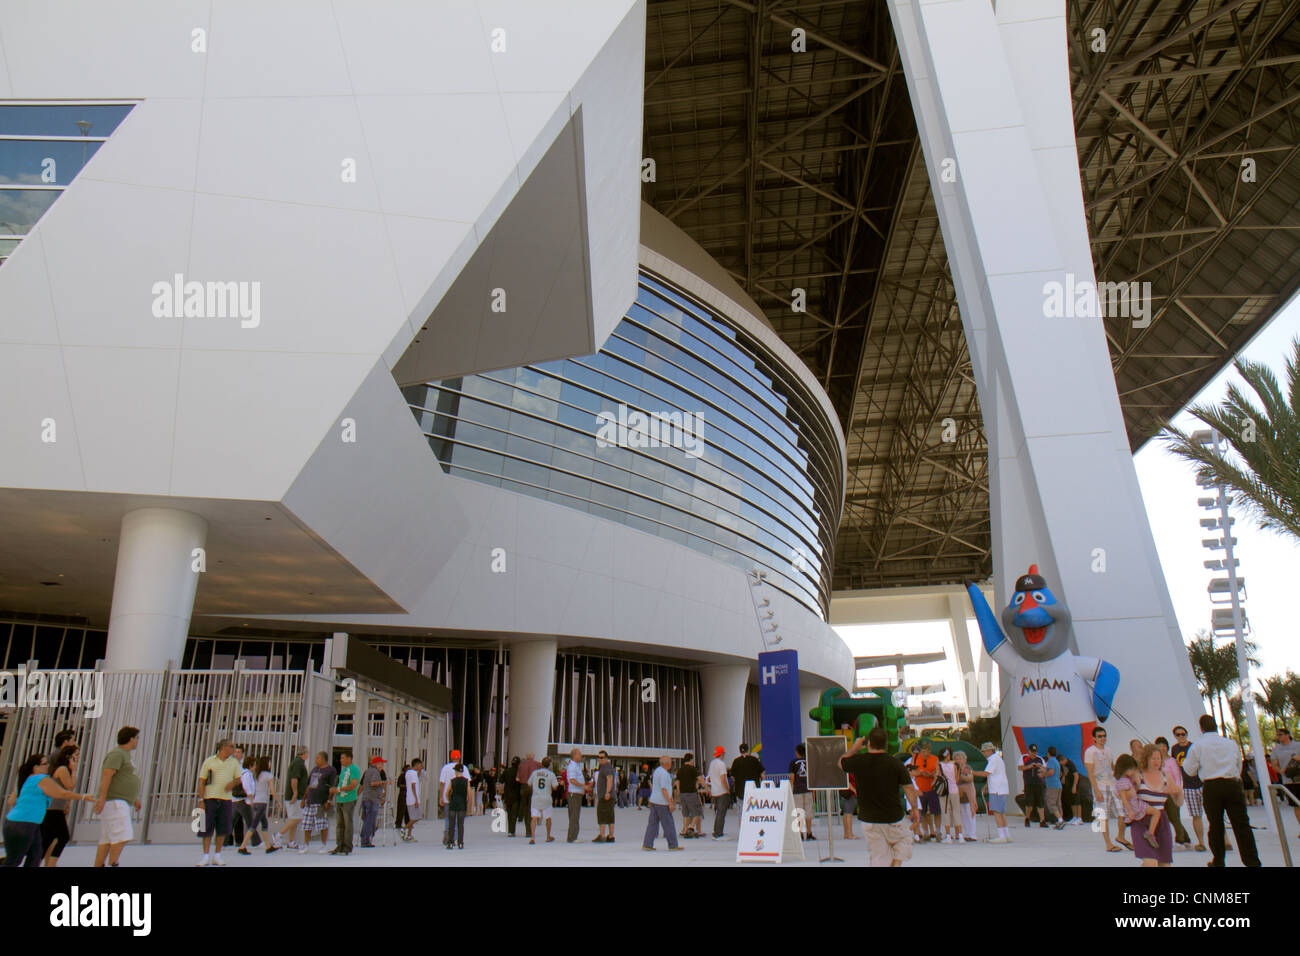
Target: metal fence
{"type": "Point", "coordinates": [181, 714]}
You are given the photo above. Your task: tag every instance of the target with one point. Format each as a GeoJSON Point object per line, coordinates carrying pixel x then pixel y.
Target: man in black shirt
{"type": "Point", "coordinates": [688, 787]}
{"type": "Point", "coordinates": [511, 796]}
{"type": "Point", "coordinates": [744, 768]}
{"type": "Point", "coordinates": [879, 777]}
{"type": "Point", "coordinates": [1031, 768]}
{"type": "Point", "coordinates": [799, 787]}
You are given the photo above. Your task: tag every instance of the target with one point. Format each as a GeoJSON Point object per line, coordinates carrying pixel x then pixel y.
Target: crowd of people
{"type": "Point", "coordinates": [1145, 791]}
{"type": "Point", "coordinates": [920, 797]}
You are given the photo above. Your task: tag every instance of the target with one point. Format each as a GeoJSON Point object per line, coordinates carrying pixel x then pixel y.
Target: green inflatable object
{"type": "Point", "coordinates": [862, 712]}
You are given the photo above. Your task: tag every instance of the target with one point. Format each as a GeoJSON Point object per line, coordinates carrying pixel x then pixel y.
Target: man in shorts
{"type": "Point", "coordinates": [688, 793]}
{"type": "Point", "coordinates": [217, 778]}
{"type": "Point", "coordinates": [925, 767]}
{"type": "Point", "coordinates": [606, 784]}
{"type": "Point", "coordinates": [542, 782]}
{"type": "Point", "coordinates": [1031, 768]}
{"type": "Point", "coordinates": [414, 809]}
{"type": "Point", "coordinates": [995, 772]}
{"type": "Point", "coordinates": [295, 788]}
{"type": "Point", "coordinates": [1100, 764]}
{"type": "Point", "coordinates": [879, 775]}
{"type": "Point", "coordinates": [119, 791]}
{"type": "Point", "coordinates": [315, 815]}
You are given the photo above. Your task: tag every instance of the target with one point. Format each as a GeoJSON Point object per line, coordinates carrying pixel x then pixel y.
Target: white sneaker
{"type": "Point", "coordinates": [203, 860]}
{"type": "Point", "coordinates": [323, 850]}
{"type": "Point", "coordinates": [301, 849]}
{"type": "Point", "coordinates": [1000, 840]}
{"type": "Point", "coordinates": [217, 860]}
{"type": "Point", "coordinates": [947, 838]}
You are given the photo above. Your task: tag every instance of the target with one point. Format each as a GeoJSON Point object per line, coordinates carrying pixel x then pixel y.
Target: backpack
{"type": "Point", "coordinates": [1292, 769]}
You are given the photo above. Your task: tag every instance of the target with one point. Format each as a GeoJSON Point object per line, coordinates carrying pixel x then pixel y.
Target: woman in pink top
{"type": "Point", "coordinates": [950, 803]}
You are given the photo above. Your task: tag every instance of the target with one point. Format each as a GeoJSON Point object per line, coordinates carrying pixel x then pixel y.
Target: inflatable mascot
{"type": "Point", "coordinates": [1056, 697]}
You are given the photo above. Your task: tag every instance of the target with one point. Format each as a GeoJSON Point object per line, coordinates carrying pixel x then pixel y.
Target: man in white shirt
{"type": "Point", "coordinates": [411, 780]}
{"type": "Point", "coordinates": [445, 776]}
{"type": "Point", "coordinates": [719, 792]}
{"type": "Point", "coordinates": [1217, 761]}
{"type": "Point", "coordinates": [995, 771]}
{"type": "Point", "coordinates": [574, 791]}
{"type": "Point", "coordinates": [1099, 762]}
{"type": "Point", "coordinates": [1284, 751]}
{"type": "Point", "coordinates": [541, 783]}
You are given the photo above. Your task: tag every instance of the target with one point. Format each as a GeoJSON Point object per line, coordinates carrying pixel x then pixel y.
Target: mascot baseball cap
{"type": "Point", "coordinates": [1031, 581]}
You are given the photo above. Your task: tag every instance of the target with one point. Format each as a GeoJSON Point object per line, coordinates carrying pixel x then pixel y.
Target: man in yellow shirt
{"type": "Point", "coordinates": [217, 777]}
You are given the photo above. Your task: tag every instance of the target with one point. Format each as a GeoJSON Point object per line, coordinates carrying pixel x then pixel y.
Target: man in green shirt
{"type": "Point", "coordinates": [345, 801]}
{"type": "Point", "coordinates": [295, 789]}
{"type": "Point", "coordinates": [217, 777]}
{"type": "Point", "coordinates": [119, 791]}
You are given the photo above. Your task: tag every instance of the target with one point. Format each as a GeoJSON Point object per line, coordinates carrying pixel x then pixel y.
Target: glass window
{"type": "Point", "coordinates": [43, 162]}
{"type": "Point", "coordinates": [20, 208]}
{"type": "Point", "coordinates": [763, 488]}
{"type": "Point", "coordinates": [61, 120]}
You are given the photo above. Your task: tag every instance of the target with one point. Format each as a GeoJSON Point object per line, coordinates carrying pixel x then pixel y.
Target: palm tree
{"type": "Point", "coordinates": [1209, 668]}
{"type": "Point", "coordinates": [1273, 701]}
{"type": "Point", "coordinates": [1215, 668]}
{"type": "Point", "coordinates": [1238, 711]}
{"type": "Point", "coordinates": [1292, 684]}
{"type": "Point", "coordinates": [1264, 475]}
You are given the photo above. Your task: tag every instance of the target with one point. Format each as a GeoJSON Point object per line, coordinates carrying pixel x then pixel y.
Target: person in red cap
{"type": "Point", "coordinates": [719, 792]}
{"type": "Point", "coordinates": [372, 795]}
{"type": "Point", "coordinates": [448, 773]}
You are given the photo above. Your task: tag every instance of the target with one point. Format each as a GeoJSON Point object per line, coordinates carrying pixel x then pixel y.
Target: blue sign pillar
{"type": "Point", "coordinates": [778, 706]}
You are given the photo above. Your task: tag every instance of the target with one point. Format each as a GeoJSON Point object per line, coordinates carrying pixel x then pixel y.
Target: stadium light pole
{"type": "Point", "coordinates": [1210, 438]}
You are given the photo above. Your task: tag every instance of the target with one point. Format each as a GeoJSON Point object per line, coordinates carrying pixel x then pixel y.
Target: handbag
{"type": "Point", "coordinates": [940, 783]}
{"type": "Point", "coordinates": [964, 797]}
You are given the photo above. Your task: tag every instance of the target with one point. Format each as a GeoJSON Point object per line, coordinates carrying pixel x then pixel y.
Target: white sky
{"type": "Point", "coordinates": [1269, 563]}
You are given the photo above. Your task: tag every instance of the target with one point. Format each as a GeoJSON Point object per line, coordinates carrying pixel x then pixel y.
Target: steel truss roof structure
{"type": "Point", "coordinates": [802, 170]}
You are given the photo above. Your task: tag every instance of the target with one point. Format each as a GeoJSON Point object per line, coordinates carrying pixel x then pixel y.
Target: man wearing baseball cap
{"type": "Point", "coordinates": [372, 795]}
{"type": "Point", "coordinates": [444, 778]}
{"type": "Point", "coordinates": [995, 771]}
{"type": "Point", "coordinates": [719, 792]}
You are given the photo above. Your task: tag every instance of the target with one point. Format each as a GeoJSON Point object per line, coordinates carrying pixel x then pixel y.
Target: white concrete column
{"type": "Point", "coordinates": [722, 705]}
{"type": "Point", "coordinates": [153, 588]}
{"type": "Point", "coordinates": [532, 693]}
{"type": "Point", "coordinates": [958, 609]}
{"type": "Point", "coordinates": [992, 100]}
{"type": "Point", "coordinates": [809, 697]}
{"type": "Point", "coordinates": [361, 730]}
